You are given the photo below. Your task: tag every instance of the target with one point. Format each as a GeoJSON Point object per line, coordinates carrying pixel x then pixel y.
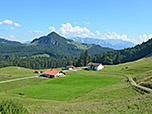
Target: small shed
{"type": "Point", "coordinates": [70, 67]}
{"type": "Point", "coordinates": [95, 66]}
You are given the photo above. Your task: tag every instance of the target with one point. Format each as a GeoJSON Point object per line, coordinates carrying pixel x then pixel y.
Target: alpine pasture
{"type": "Point", "coordinates": [105, 91]}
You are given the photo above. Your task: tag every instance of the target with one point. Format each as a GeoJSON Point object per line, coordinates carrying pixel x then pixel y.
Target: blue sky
{"type": "Point", "coordinates": [129, 20]}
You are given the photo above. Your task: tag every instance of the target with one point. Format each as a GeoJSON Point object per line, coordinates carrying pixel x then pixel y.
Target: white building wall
{"type": "Point", "coordinates": [70, 68]}
{"type": "Point", "coordinates": [100, 67]}
{"type": "Point", "coordinates": [58, 74]}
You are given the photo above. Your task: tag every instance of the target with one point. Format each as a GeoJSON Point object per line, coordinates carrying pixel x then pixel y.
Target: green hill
{"type": "Point", "coordinates": [58, 45]}
{"type": "Point", "coordinates": [137, 52]}
{"type": "Point", "coordinates": [132, 54]}
{"type": "Point", "coordinates": [52, 44]}
{"type": "Point", "coordinates": [4, 41]}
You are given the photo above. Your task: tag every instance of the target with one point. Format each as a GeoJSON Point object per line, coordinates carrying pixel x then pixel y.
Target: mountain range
{"type": "Point", "coordinates": [53, 45]}
{"type": "Point", "coordinates": [110, 43]}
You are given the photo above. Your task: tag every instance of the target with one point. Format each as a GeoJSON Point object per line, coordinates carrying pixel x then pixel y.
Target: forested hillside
{"type": "Point", "coordinates": [52, 44]}
{"type": "Point", "coordinates": [136, 52]}
{"type": "Point", "coordinates": [53, 51]}
{"type": "Point", "coordinates": [4, 41]}
{"type": "Point", "coordinates": [125, 55]}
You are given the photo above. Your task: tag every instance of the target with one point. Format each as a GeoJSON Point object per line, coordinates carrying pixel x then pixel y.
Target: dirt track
{"type": "Point", "coordinates": [16, 79]}
{"type": "Point", "coordinates": [138, 86]}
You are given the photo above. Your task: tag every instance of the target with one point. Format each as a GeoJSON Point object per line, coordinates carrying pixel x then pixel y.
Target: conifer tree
{"type": "Point", "coordinates": [69, 60]}
{"type": "Point", "coordinates": [86, 58]}
{"type": "Point", "coordinates": [118, 59]}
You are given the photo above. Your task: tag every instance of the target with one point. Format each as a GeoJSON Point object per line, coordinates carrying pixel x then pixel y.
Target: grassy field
{"type": "Point", "coordinates": [65, 88]}
{"type": "Point", "coordinates": [106, 91]}
{"type": "Point", "coordinates": [16, 71]}
{"type": "Point", "coordinates": [7, 73]}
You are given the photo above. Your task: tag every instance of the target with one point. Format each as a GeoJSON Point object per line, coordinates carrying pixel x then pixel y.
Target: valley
{"type": "Point", "coordinates": [75, 57]}
{"type": "Point", "coordinates": [105, 91]}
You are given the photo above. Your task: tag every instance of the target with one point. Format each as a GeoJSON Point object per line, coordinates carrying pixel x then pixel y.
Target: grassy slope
{"type": "Point", "coordinates": [117, 97]}
{"type": "Point", "coordinates": [141, 71]}
{"type": "Point", "coordinates": [7, 73]}
{"type": "Point", "coordinates": [6, 87]}
{"type": "Point", "coordinates": [16, 71]}
{"type": "Point", "coordinates": [65, 88]}
{"type": "Point", "coordinates": [80, 45]}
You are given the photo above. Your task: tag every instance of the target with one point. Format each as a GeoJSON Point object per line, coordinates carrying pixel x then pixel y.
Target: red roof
{"type": "Point", "coordinates": [36, 70]}
{"type": "Point", "coordinates": [51, 72]}
{"type": "Point", "coordinates": [94, 64]}
{"type": "Point", "coordinates": [70, 67]}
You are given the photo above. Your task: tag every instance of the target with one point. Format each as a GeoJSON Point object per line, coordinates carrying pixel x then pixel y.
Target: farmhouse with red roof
{"type": "Point", "coordinates": [52, 73]}
{"type": "Point", "coordinates": [70, 67]}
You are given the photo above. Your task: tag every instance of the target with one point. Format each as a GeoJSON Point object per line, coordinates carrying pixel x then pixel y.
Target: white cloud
{"type": "Point", "coordinates": [17, 25]}
{"type": "Point", "coordinates": [8, 22]}
{"type": "Point", "coordinates": [114, 35]}
{"type": "Point", "coordinates": [138, 40]}
{"type": "Point", "coordinates": [69, 31]}
{"type": "Point", "coordinates": [37, 31]}
{"type": "Point", "coordinates": [11, 36]}
{"type": "Point", "coordinates": [97, 32]}
{"type": "Point", "coordinates": [143, 38]}
{"type": "Point", "coordinates": [51, 29]}
{"type": "Point", "coordinates": [12, 28]}
{"type": "Point", "coordinates": [149, 36]}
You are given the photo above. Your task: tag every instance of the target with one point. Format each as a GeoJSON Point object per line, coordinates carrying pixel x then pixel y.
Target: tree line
{"type": "Point", "coordinates": [107, 58]}
{"type": "Point", "coordinates": [52, 62]}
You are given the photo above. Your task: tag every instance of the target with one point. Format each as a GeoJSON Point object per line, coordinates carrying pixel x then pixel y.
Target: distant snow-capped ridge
{"type": "Point", "coordinates": [111, 43]}
{"type": "Point", "coordinates": [27, 42]}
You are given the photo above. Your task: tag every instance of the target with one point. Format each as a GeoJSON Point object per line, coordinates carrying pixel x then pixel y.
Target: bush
{"type": "Point", "coordinates": [12, 107]}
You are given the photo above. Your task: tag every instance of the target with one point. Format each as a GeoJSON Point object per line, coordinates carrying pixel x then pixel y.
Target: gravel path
{"type": "Point", "coordinates": [17, 79]}
{"type": "Point", "coordinates": [138, 86]}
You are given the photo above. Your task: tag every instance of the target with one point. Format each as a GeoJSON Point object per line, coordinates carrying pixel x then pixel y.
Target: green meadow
{"type": "Point", "coordinates": [16, 71]}
{"type": "Point", "coordinates": [105, 91]}
{"type": "Point", "coordinates": [12, 72]}
{"type": "Point", "coordinates": [66, 88]}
